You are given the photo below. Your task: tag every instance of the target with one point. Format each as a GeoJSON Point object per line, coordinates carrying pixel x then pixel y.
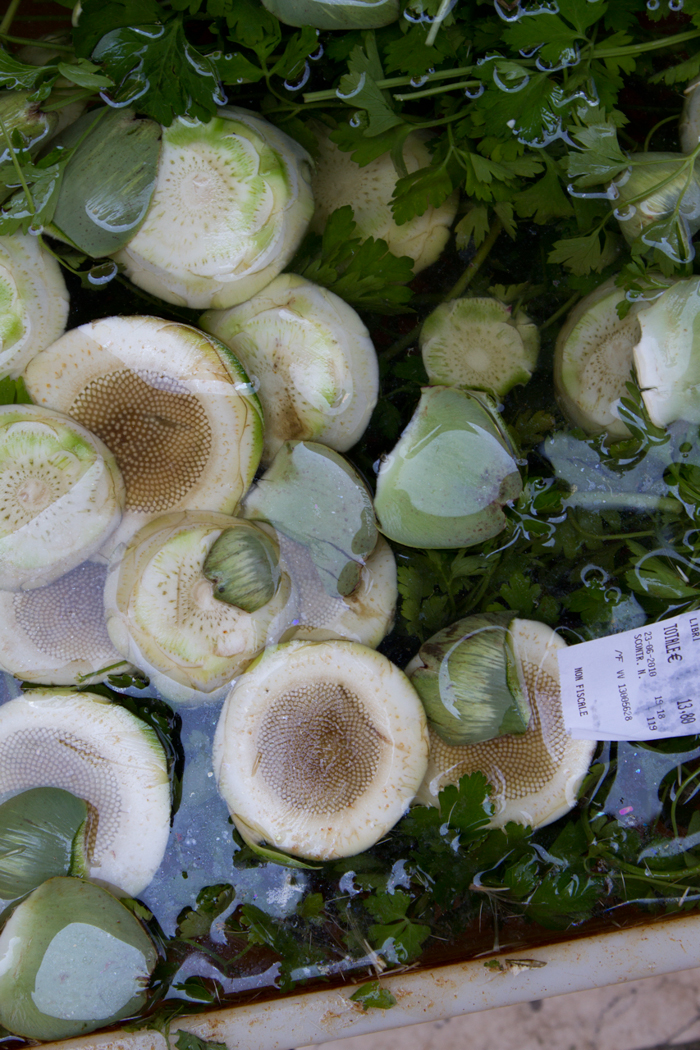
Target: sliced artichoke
{"type": "Point", "coordinates": [61, 495]}
{"type": "Point", "coordinates": [103, 754]}
{"type": "Point", "coordinates": [314, 496]}
{"type": "Point", "coordinates": [72, 959]}
{"type": "Point", "coordinates": [470, 683]}
{"type": "Point", "coordinates": [689, 126]}
{"type": "Point", "coordinates": [338, 180]}
{"type": "Point", "coordinates": [479, 345]}
{"type": "Point", "coordinates": [57, 634]}
{"type": "Point", "coordinates": [366, 615]}
{"type": "Point", "coordinates": [231, 205]}
{"type": "Point", "coordinates": [658, 201]}
{"type": "Point", "coordinates": [535, 777]}
{"type": "Point", "coordinates": [593, 360]}
{"type": "Point", "coordinates": [335, 14]}
{"type": "Point", "coordinates": [173, 405]}
{"type": "Point", "coordinates": [448, 477]}
{"type": "Point", "coordinates": [667, 355]}
{"type": "Point", "coordinates": [109, 180]}
{"type": "Point", "coordinates": [33, 301]}
{"type": "Point", "coordinates": [43, 833]}
{"type": "Point", "coordinates": [313, 360]}
{"type": "Point", "coordinates": [164, 616]}
{"type": "Point", "coordinates": [320, 748]}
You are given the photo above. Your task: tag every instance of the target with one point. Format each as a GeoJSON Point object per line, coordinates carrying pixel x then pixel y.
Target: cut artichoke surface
{"type": "Point", "coordinates": [231, 205]}
{"type": "Point", "coordinates": [57, 635]}
{"type": "Point", "coordinates": [366, 615]}
{"type": "Point", "coordinates": [72, 958]}
{"type": "Point", "coordinates": [164, 616]}
{"type": "Point", "coordinates": [103, 754]}
{"type": "Point", "coordinates": [593, 360]}
{"type": "Point", "coordinates": [320, 748]}
{"type": "Point", "coordinates": [33, 301]}
{"type": "Point", "coordinates": [61, 495]}
{"type": "Point", "coordinates": [667, 355]}
{"type": "Point", "coordinates": [172, 403]}
{"type": "Point", "coordinates": [312, 358]}
{"type": "Point", "coordinates": [535, 777]}
{"type": "Point", "coordinates": [338, 180]}
{"type": "Point", "coordinates": [478, 344]}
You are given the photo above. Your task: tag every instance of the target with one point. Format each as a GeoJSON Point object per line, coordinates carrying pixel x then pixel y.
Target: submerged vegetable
{"type": "Point", "coordinates": [338, 180]}
{"type": "Point", "coordinates": [658, 201]}
{"type": "Point", "coordinates": [164, 615]}
{"type": "Point", "coordinates": [33, 301]}
{"type": "Point", "coordinates": [479, 344]}
{"type": "Point", "coordinates": [103, 754]}
{"type": "Point", "coordinates": [44, 832]}
{"type": "Point", "coordinates": [72, 959]}
{"type": "Point", "coordinates": [667, 355]}
{"type": "Point", "coordinates": [320, 748]}
{"type": "Point", "coordinates": [593, 360]}
{"type": "Point", "coordinates": [61, 495]}
{"type": "Point", "coordinates": [314, 496]}
{"type": "Point", "coordinates": [172, 404]}
{"type": "Point", "coordinates": [445, 482]}
{"type": "Point", "coordinates": [471, 681]}
{"type": "Point", "coordinates": [366, 615]}
{"type": "Point", "coordinates": [534, 777]}
{"type": "Point", "coordinates": [312, 358]}
{"type": "Point", "coordinates": [231, 204]}
{"type": "Point", "coordinates": [335, 14]}
{"type": "Point", "coordinates": [57, 634]}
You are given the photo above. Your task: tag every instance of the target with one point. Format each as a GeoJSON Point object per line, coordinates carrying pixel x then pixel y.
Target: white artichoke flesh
{"type": "Point", "coordinates": [102, 753]}
{"type": "Point", "coordinates": [163, 614]}
{"type": "Point", "coordinates": [61, 495]}
{"type": "Point", "coordinates": [231, 205]}
{"type": "Point", "coordinates": [33, 301]}
{"type": "Point", "coordinates": [320, 748]}
{"type": "Point", "coordinates": [312, 358]}
{"type": "Point", "coordinates": [172, 403]}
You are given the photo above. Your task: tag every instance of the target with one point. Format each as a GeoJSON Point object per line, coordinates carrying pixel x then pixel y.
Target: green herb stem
{"type": "Point", "coordinates": [9, 16]}
{"type": "Point", "coordinates": [392, 82]}
{"type": "Point", "coordinates": [460, 286]}
{"type": "Point", "coordinates": [37, 43]}
{"type": "Point", "coordinates": [18, 167]}
{"type": "Point", "coordinates": [564, 309]}
{"type": "Point", "coordinates": [638, 49]}
{"type": "Point", "coordinates": [436, 90]}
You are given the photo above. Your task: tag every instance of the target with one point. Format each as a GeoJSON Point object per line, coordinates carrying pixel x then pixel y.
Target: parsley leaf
{"type": "Point", "coordinates": [157, 67]}
{"type": "Point", "coordinates": [373, 996]}
{"type": "Point", "coordinates": [359, 88]}
{"type": "Point", "coordinates": [364, 273]}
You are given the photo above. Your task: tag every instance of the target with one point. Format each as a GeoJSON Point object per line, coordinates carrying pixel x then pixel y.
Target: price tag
{"type": "Point", "coordinates": [637, 685]}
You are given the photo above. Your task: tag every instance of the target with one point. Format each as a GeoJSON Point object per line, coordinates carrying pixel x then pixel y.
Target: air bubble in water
{"type": "Point", "coordinates": [627, 211]}
{"type": "Point", "coordinates": [653, 5]}
{"type": "Point", "coordinates": [417, 82]}
{"type": "Point", "coordinates": [299, 84]}
{"type": "Point", "coordinates": [355, 120]}
{"type": "Point", "coordinates": [36, 229]}
{"type": "Point", "coordinates": [675, 5]}
{"type": "Point", "coordinates": [474, 92]}
{"type": "Point", "coordinates": [317, 54]}
{"type": "Point", "coordinates": [514, 86]}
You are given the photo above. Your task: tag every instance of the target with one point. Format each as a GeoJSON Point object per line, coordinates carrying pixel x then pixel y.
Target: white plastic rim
{"type": "Point", "coordinates": [172, 403]}
{"type": "Point", "coordinates": [162, 614]}
{"type": "Point", "coordinates": [33, 301]}
{"type": "Point", "coordinates": [559, 762]}
{"type": "Point", "coordinates": [313, 360]}
{"type": "Point", "coordinates": [361, 734]}
{"type": "Point", "coordinates": [61, 495]}
{"type": "Point", "coordinates": [103, 754]}
{"type": "Point", "coordinates": [231, 205]}
{"type": "Point", "coordinates": [338, 181]}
